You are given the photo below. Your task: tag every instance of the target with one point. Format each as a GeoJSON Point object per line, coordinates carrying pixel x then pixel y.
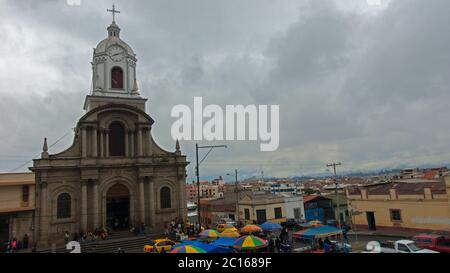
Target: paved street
{"type": "Point", "coordinates": [358, 242]}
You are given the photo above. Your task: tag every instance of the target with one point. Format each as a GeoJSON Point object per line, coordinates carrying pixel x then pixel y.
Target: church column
{"type": "Point", "coordinates": [107, 143]}
{"type": "Point", "coordinates": [132, 144]}
{"type": "Point", "coordinates": [43, 213]}
{"type": "Point", "coordinates": [127, 145]}
{"type": "Point", "coordinates": [101, 143]}
{"type": "Point", "coordinates": [142, 199]}
{"type": "Point", "coordinates": [95, 205]}
{"type": "Point", "coordinates": [182, 200]}
{"type": "Point", "coordinates": [152, 202]}
{"type": "Point", "coordinates": [139, 137]}
{"type": "Point", "coordinates": [94, 142]}
{"type": "Point", "coordinates": [83, 205]}
{"type": "Point", "coordinates": [83, 142]}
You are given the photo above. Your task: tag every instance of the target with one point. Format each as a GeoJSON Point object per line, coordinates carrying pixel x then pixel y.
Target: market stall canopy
{"type": "Point", "coordinates": [225, 242]}
{"type": "Point", "coordinates": [249, 229]}
{"type": "Point", "coordinates": [318, 232]}
{"type": "Point", "coordinates": [230, 234]}
{"type": "Point", "coordinates": [231, 229]}
{"type": "Point", "coordinates": [250, 242]}
{"type": "Point", "coordinates": [271, 226]}
{"type": "Point", "coordinates": [210, 233]}
{"type": "Point", "coordinates": [209, 248]}
{"type": "Point", "coordinates": [188, 249]}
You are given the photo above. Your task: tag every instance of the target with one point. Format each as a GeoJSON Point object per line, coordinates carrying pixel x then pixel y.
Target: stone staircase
{"type": "Point", "coordinates": [127, 241]}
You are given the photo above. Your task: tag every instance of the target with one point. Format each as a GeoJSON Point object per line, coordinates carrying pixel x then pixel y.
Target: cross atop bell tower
{"type": "Point", "coordinates": [113, 11]}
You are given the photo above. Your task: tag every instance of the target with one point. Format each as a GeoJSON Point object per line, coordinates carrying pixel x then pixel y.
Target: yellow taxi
{"type": "Point", "coordinates": [223, 227]}
{"type": "Point", "coordinates": [160, 244]}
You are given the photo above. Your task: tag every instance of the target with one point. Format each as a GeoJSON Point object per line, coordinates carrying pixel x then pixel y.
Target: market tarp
{"type": "Point", "coordinates": [271, 226]}
{"type": "Point", "coordinates": [209, 248]}
{"type": "Point", "coordinates": [225, 242]}
{"type": "Point", "coordinates": [318, 232]}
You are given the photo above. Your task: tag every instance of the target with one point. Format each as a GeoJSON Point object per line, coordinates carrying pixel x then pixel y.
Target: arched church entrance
{"type": "Point", "coordinates": [118, 207]}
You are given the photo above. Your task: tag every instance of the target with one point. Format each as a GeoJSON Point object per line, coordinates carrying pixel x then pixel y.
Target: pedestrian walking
{"type": "Point", "coordinates": [25, 241]}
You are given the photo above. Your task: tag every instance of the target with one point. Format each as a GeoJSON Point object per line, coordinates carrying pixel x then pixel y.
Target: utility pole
{"type": "Point", "coordinates": [197, 172]}
{"type": "Point", "coordinates": [236, 190]}
{"type": "Point", "coordinates": [237, 194]}
{"type": "Point", "coordinates": [336, 191]}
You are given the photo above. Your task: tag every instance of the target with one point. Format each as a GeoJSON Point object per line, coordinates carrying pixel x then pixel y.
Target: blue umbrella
{"type": "Point", "coordinates": [271, 226]}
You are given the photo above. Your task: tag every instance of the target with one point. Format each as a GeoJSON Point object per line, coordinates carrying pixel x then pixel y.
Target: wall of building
{"type": "Point", "coordinates": [270, 211]}
{"type": "Point", "coordinates": [421, 211]}
{"type": "Point", "coordinates": [293, 203]}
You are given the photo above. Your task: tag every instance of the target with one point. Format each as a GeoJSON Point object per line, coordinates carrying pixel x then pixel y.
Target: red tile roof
{"type": "Point", "coordinates": [431, 175]}
{"type": "Point", "coordinates": [401, 188]}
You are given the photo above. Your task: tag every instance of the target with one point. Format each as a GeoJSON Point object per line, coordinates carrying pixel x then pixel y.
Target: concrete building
{"type": "Point", "coordinates": [294, 208]}
{"type": "Point", "coordinates": [284, 188]}
{"type": "Point", "coordinates": [318, 207]}
{"type": "Point", "coordinates": [17, 193]}
{"type": "Point", "coordinates": [259, 208]}
{"type": "Point", "coordinates": [114, 174]}
{"type": "Point", "coordinates": [421, 206]}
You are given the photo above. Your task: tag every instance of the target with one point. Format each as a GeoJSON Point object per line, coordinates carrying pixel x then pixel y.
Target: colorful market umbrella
{"type": "Point", "coordinates": [188, 249]}
{"type": "Point", "coordinates": [271, 226]}
{"type": "Point", "coordinates": [250, 242]}
{"type": "Point", "coordinates": [250, 229]}
{"type": "Point", "coordinates": [210, 233]}
{"type": "Point", "coordinates": [230, 234]}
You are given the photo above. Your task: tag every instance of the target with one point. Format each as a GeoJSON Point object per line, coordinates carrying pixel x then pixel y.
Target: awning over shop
{"type": "Point", "coordinates": [318, 232]}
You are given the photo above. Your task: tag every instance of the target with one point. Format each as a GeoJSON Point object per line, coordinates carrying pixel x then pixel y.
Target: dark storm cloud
{"type": "Point", "coordinates": [361, 84]}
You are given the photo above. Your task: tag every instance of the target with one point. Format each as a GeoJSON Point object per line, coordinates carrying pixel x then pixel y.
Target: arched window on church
{"type": "Point", "coordinates": [116, 139]}
{"type": "Point", "coordinates": [117, 78]}
{"type": "Point", "coordinates": [164, 196]}
{"type": "Point", "coordinates": [64, 206]}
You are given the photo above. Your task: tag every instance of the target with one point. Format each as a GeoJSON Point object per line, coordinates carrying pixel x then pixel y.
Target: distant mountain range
{"type": "Point", "coordinates": [361, 173]}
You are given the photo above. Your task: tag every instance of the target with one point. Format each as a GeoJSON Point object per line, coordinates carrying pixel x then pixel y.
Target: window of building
{"type": "Point", "coordinates": [25, 193]}
{"type": "Point", "coordinates": [165, 198]}
{"type": "Point", "coordinates": [396, 215]}
{"type": "Point", "coordinates": [247, 214]}
{"type": "Point", "coordinates": [117, 78]}
{"type": "Point", "coordinates": [278, 214]}
{"type": "Point", "coordinates": [64, 206]}
{"type": "Point", "coordinates": [116, 139]}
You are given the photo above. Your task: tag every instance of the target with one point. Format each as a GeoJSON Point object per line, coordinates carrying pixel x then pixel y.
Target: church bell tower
{"type": "Point", "coordinates": [114, 72]}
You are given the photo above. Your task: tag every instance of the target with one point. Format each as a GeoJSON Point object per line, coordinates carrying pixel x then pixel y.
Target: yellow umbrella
{"type": "Point", "coordinates": [231, 229]}
{"type": "Point", "coordinates": [249, 229]}
{"type": "Point", "coordinates": [230, 234]}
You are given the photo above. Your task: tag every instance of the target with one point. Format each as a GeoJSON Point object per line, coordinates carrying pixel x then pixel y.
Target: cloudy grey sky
{"type": "Point", "coordinates": [364, 84]}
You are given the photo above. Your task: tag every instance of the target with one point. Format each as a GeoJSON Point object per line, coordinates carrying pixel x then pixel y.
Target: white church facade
{"type": "Point", "coordinates": [114, 175]}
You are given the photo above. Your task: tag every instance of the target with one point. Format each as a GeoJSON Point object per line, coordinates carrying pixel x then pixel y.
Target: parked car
{"type": "Point", "coordinates": [402, 246]}
{"type": "Point", "coordinates": [227, 221]}
{"type": "Point", "coordinates": [161, 244]}
{"type": "Point", "coordinates": [292, 223]}
{"type": "Point", "coordinates": [434, 242]}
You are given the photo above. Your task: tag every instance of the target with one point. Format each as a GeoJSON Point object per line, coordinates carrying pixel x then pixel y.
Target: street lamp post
{"type": "Point", "coordinates": [236, 190]}
{"type": "Point", "coordinates": [197, 172]}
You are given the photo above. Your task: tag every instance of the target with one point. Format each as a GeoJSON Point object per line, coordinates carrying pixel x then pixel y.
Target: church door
{"type": "Point", "coordinates": [118, 207]}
